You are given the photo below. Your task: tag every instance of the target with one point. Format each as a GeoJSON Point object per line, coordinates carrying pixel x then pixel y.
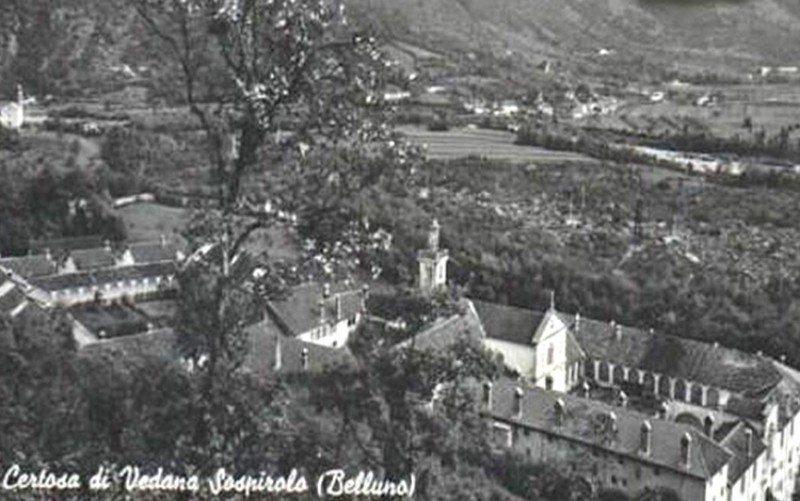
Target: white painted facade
{"type": "Point", "coordinates": [333, 334]}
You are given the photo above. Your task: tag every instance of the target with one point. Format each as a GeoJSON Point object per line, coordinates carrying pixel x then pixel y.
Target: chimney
{"type": "Point", "coordinates": [618, 332]}
{"type": "Point", "coordinates": [662, 412]}
{"type": "Point", "coordinates": [623, 399]}
{"type": "Point", "coordinates": [364, 297]}
{"type": "Point", "coordinates": [278, 353]}
{"type": "Point", "coordinates": [760, 353]}
{"type": "Point", "coordinates": [338, 300]}
{"type": "Point", "coordinates": [487, 395]}
{"type": "Point", "coordinates": [586, 388]}
{"type": "Point", "coordinates": [748, 446]}
{"type": "Point", "coordinates": [518, 402]}
{"type": "Point", "coordinates": [783, 359]}
{"type": "Point", "coordinates": [577, 322]}
{"type": "Point", "coordinates": [20, 95]}
{"type": "Point", "coordinates": [48, 255]}
{"type": "Point", "coordinates": [107, 245]}
{"type": "Point", "coordinates": [708, 426]}
{"type": "Point", "coordinates": [612, 421]}
{"type": "Point", "coordinates": [163, 239]}
{"type": "Point", "coordinates": [304, 359]}
{"type": "Point", "coordinates": [646, 438]}
{"type": "Point", "coordinates": [322, 318]}
{"type": "Point", "coordinates": [686, 450]}
{"type": "Point", "coordinates": [716, 344]}
{"type": "Point", "coordinates": [559, 407]}
{"type": "Point", "coordinates": [326, 290]}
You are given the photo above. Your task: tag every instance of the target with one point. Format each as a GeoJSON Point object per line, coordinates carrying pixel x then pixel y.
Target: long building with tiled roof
{"type": "Point", "coordinates": [705, 421]}
{"type": "Point", "coordinates": [79, 276]}
{"type": "Point", "coordinates": [749, 403]}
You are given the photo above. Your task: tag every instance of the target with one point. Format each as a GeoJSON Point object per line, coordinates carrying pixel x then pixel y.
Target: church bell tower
{"type": "Point", "coordinates": [432, 262]}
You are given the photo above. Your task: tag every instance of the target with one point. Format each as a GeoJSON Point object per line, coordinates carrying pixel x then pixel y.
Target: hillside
{"type": "Point", "coordinates": [75, 47]}
{"type": "Point", "coordinates": [68, 47]}
{"type": "Point", "coordinates": [693, 35]}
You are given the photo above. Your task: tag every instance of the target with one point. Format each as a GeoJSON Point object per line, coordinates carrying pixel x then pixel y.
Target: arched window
{"type": "Point", "coordinates": [550, 354]}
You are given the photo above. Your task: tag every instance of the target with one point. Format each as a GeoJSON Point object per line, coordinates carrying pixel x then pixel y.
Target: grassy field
{"type": "Point", "coordinates": [149, 221]}
{"type": "Point", "coordinates": [490, 144]}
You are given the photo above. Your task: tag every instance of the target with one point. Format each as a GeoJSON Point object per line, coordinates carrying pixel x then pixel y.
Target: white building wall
{"type": "Point", "coordinates": [110, 291]}
{"type": "Point", "coordinates": [332, 335]}
{"type": "Point", "coordinates": [551, 355]}
{"type": "Point", "coordinates": [519, 357]}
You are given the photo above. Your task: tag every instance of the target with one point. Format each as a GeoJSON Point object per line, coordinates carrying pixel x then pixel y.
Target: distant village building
{"type": "Point", "coordinates": [320, 314]}
{"type": "Point", "coordinates": [432, 262]}
{"type": "Point", "coordinates": [711, 423]}
{"type": "Point", "coordinates": [12, 115]}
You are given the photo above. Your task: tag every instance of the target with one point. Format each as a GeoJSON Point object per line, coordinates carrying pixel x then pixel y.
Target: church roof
{"type": "Point", "coordinates": [300, 312]}
{"type": "Point", "coordinates": [587, 421]}
{"type": "Point", "coordinates": [508, 323]}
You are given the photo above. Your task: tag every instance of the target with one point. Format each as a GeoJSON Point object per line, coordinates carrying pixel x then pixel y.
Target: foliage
{"type": "Point", "coordinates": [51, 204]}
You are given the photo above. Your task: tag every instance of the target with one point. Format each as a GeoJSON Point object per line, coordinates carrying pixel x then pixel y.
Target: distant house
{"type": "Point", "coordinates": [322, 314]}
{"type": "Point", "coordinates": [12, 114]}
{"type": "Point", "coordinates": [269, 352]}
{"type": "Point", "coordinates": [272, 352]}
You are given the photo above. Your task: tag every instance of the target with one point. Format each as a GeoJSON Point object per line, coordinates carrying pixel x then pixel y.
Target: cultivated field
{"type": "Point", "coordinates": [491, 144]}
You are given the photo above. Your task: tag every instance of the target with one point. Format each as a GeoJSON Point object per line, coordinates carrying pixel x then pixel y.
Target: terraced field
{"type": "Point", "coordinates": [492, 144]}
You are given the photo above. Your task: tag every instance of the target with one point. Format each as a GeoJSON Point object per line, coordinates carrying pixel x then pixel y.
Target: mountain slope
{"type": "Point", "coordinates": [77, 46]}
{"type": "Point", "coordinates": [691, 34]}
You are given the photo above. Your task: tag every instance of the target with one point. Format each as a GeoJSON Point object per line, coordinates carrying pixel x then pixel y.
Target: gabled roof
{"type": "Point", "coordinates": [736, 443]}
{"type": "Point", "coordinates": [587, 421]}
{"type": "Point", "coordinates": [705, 363]}
{"type": "Point", "coordinates": [91, 259]}
{"type": "Point", "coordinates": [574, 350]}
{"type": "Point", "coordinates": [301, 311]}
{"type": "Point", "coordinates": [153, 252]}
{"type": "Point", "coordinates": [508, 323]}
{"type": "Point", "coordinates": [447, 332]}
{"type": "Point", "coordinates": [266, 341]}
{"type": "Point", "coordinates": [29, 266]}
